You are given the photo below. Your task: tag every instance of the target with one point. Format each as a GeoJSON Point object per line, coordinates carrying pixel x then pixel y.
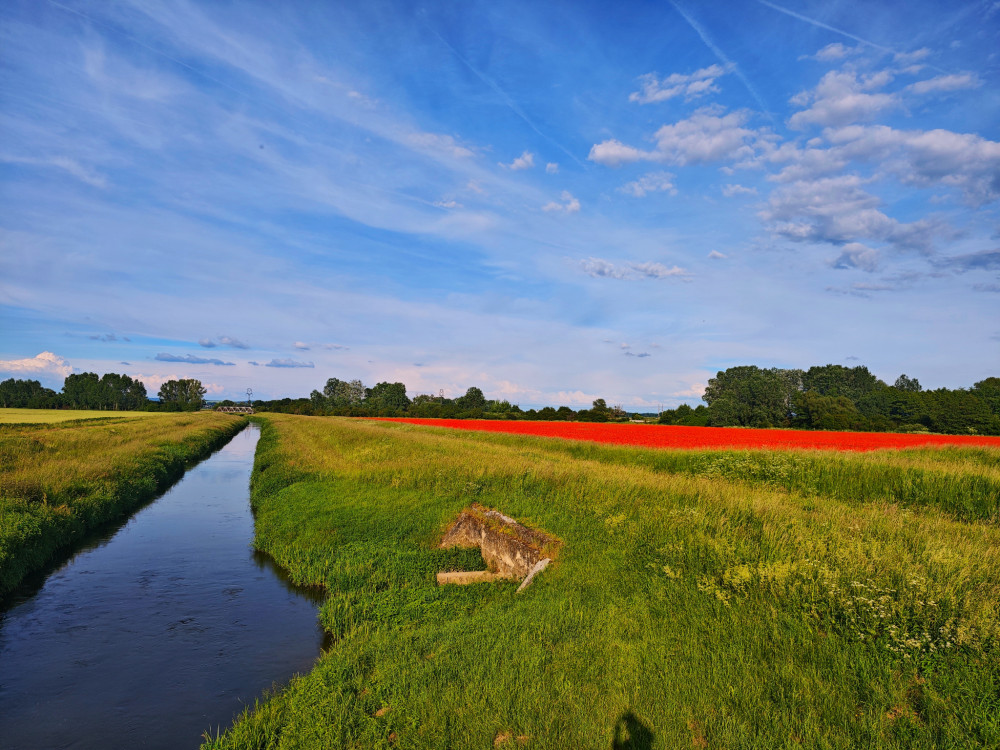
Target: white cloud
{"type": "Point", "coordinates": [842, 98]}
{"type": "Point", "coordinates": [153, 382]}
{"type": "Point", "coordinates": [437, 144]}
{"type": "Point", "coordinates": [600, 268]}
{"type": "Point", "coordinates": [704, 137]}
{"type": "Point", "coordinates": [301, 345]}
{"type": "Point", "coordinates": [448, 204]}
{"type": "Point", "coordinates": [716, 255]}
{"type": "Point", "coordinates": [570, 204]}
{"type": "Point", "coordinates": [835, 51]}
{"type": "Point", "coordinates": [954, 82]}
{"type": "Point", "coordinates": [906, 58]}
{"type": "Point", "coordinates": [658, 270]}
{"type": "Point", "coordinates": [525, 161]}
{"type": "Point", "coordinates": [45, 363]}
{"type": "Point", "coordinates": [733, 190]}
{"type": "Point", "coordinates": [552, 168]}
{"type": "Point", "coordinates": [691, 86]}
{"type": "Point", "coordinates": [927, 157]}
{"type": "Point", "coordinates": [650, 183]}
{"type": "Point", "coordinates": [856, 255]}
{"type": "Point", "coordinates": [613, 153]}
{"type": "Point", "coordinates": [837, 210]}
{"type": "Point", "coordinates": [71, 166]}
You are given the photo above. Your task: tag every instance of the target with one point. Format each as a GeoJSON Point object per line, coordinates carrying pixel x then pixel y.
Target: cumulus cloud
{"type": "Point", "coordinates": [570, 205]}
{"type": "Point", "coordinates": [600, 268]}
{"type": "Point", "coordinates": [731, 191]}
{"type": "Point", "coordinates": [153, 382]}
{"type": "Point", "coordinates": [288, 363]}
{"type": "Point", "coordinates": [301, 345]}
{"type": "Point", "coordinates": [954, 82]}
{"type": "Point", "coordinates": [552, 168]}
{"type": "Point", "coordinates": [856, 255]}
{"type": "Point", "coordinates": [926, 157]}
{"type": "Point", "coordinates": [837, 210]}
{"type": "Point", "coordinates": [842, 98]}
{"type": "Point", "coordinates": [44, 363]}
{"type": "Point", "coordinates": [614, 153]}
{"type": "Point", "coordinates": [716, 255]}
{"type": "Point", "coordinates": [690, 86]}
{"type": "Point", "coordinates": [207, 343]}
{"type": "Point", "coordinates": [650, 183]}
{"type": "Point", "coordinates": [707, 136]}
{"type": "Point", "coordinates": [191, 359]}
{"type": "Point", "coordinates": [525, 161]}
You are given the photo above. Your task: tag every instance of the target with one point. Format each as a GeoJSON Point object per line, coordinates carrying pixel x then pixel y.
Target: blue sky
{"type": "Point", "coordinates": [552, 201]}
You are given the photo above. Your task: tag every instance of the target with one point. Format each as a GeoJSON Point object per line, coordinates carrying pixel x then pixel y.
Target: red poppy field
{"type": "Point", "coordinates": [672, 436]}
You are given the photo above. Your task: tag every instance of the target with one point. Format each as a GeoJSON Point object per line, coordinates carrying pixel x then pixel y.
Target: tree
{"type": "Point", "coordinates": [387, 397]}
{"type": "Point", "coordinates": [751, 397]}
{"type": "Point", "coordinates": [27, 394]}
{"type": "Point", "coordinates": [989, 391]}
{"type": "Point", "coordinates": [813, 411]}
{"type": "Point", "coordinates": [837, 380]}
{"type": "Point", "coordinates": [473, 400]}
{"type": "Point", "coordinates": [904, 383]}
{"type": "Point", "coordinates": [185, 394]}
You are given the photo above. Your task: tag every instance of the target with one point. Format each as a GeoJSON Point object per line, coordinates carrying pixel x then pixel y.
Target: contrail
{"type": "Point", "coordinates": [722, 56]}
{"type": "Point", "coordinates": [822, 25]}
{"type": "Point", "coordinates": [506, 98]}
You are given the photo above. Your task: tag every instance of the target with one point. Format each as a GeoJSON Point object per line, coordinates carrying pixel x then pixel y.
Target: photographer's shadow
{"type": "Point", "coordinates": [631, 734]}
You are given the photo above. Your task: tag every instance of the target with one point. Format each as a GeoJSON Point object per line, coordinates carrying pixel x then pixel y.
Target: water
{"type": "Point", "coordinates": [159, 632]}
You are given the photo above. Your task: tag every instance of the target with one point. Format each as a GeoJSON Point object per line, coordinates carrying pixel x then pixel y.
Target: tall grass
{"type": "Point", "coordinates": [697, 601]}
{"type": "Point", "coordinates": [60, 481]}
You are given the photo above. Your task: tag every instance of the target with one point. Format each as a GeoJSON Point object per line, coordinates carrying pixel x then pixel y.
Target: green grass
{"type": "Point", "coordinates": [60, 481]}
{"type": "Point", "coordinates": [699, 600]}
{"type": "Point", "coordinates": [48, 416]}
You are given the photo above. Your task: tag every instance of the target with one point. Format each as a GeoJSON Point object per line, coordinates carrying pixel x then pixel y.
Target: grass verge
{"type": "Point", "coordinates": [59, 482]}
{"type": "Point", "coordinates": [687, 608]}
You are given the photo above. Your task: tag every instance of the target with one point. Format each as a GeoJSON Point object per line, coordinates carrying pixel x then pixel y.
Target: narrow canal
{"type": "Point", "coordinates": [159, 632]}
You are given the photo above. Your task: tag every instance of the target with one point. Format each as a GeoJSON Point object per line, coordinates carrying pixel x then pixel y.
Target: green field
{"type": "Point", "coordinates": [49, 416]}
{"type": "Point", "coordinates": [61, 480]}
{"type": "Point", "coordinates": [700, 599]}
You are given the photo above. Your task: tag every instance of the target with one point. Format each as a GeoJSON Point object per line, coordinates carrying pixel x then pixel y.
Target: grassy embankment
{"type": "Point", "coordinates": [705, 599]}
{"type": "Point", "coordinates": [62, 480]}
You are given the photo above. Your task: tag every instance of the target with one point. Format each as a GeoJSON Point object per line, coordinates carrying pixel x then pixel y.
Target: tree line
{"type": "Point", "coordinates": [351, 398]}
{"type": "Point", "coordinates": [834, 397]}
{"type": "Point", "coordinates": [828, 397]}
{"type": "Point", "coordinates": [110, 391]}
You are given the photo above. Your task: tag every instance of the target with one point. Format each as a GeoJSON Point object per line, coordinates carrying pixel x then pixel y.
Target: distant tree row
{"type": "Point", "coordinates": [106, 392]}
{"type": "Point", "coordinates": [834, 397]}
{"type": "Point", "coordinates": [352, 398]}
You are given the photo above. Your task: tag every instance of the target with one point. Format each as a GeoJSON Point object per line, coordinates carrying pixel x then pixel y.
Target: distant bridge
{"type": "Point", "coordinates": [235, 409]}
